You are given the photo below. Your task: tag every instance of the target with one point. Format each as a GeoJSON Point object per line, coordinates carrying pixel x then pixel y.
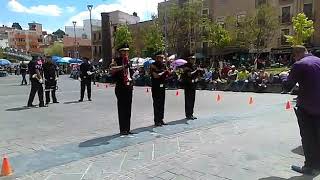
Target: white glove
{"type": "Point", "coordinates": [79, 79]}
{"type": "Point", "coordinates": [160, 74]}
{"type": "Point", "coordinates": [89, 73]}
{"type": "Point", "coordinates": [41, 81]}
{"type": "Point", "coordinates": [34, 76]}
{"type": "Point", "coordinates": [56, 78]}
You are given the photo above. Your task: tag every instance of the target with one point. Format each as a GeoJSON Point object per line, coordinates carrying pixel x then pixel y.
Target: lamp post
{"type": "Point", "coordinates": [75, 38]}
{"type": "Point", "coordinates": [90, 9]}
{"type": "Point", "coordinates": [166, 28]}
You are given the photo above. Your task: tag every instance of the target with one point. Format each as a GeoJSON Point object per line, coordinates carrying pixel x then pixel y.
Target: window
{"type": "Point", "coordinates": [286, 14]}
{"type": "Point", "coordinates": [95, 49]}
{"type": "Point", "coordinates": [94, 36]}
{"type": "Point", "coordinates": [100, 49]}
{"type": "Point", "coordinates": [205, 12]}
{"type": "Point", "coordinates": [283, 38]}
{"type": "Point", "coordinates": [307, 9]}
{"type": "Point", "coordinates": [240, 18]}
{"type": "Point", "coordinates": [84, 36]}
{"type": "Point", "coordinates": [260, 3]}
{"type": "Point", "coordinates": [99, 36]}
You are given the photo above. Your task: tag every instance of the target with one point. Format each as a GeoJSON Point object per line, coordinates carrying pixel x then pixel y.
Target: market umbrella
{"type": "Point", "coordinates": [75, 61]}
{"type": "Point", "coordinates": [147, 63]}
{"type": "Point", "coordinates": [55, 58]}
{"type": "Point", "coordinates": [178, 63]}
{"type": "Point", "coordinates": [4, 62]}
{"type": "Point", "coordinates": [64, 60]}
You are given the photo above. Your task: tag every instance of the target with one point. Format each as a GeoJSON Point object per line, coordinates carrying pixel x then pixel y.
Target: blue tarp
{"type": "Point", "coordinates": [4, 62]}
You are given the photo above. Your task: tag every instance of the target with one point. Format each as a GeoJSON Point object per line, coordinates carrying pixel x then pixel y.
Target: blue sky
{"type": "Point", "coordinates": [54, 14]}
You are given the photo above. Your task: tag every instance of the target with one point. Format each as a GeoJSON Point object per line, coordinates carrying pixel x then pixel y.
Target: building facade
{"type": "Point", "coordinates": [4, 39]}
{"type": "Point", "coordinates": [29, 41]}
{"type": "Point", "coordinates": [76, 48]}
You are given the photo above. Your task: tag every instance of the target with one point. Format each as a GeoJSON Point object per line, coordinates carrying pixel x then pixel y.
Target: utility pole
{"type": "Point", "coordinates": [75, 38]}
{"type": "Point", "coordinates": [90, 9]}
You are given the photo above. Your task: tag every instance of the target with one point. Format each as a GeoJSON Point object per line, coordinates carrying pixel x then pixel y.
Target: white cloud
{"type": "Point", "coordinates": [71, 9]}
{"type": "Point", "coordinates": [47, 10]}
{"type": "Point", "coordinates": [144, 8]}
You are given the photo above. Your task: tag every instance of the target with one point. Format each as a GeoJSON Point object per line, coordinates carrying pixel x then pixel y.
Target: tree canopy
{"type": "Point", "coordinates": [123, 36]}
{"type": "Point", "coordinates": [59, 33]}
{"type": "Point", "coordinates": [153, 40]}
{"type": "Point", "coordinates": [303, 30]}
{"type": "Point", "coordinates": [55, 50]}
{"type": "Point", "coordinates": [16, 26]}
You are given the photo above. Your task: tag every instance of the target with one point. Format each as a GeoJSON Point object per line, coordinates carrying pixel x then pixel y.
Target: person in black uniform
{"type": "Point", "coordinates": [36, 74]}
{"type": "Point", "coordinates": [190, 79]}
{"type": "Point", "coordinates": [124, 88]}
{"type": "Point", "coordinates": [23, 71]}
{"type": "Point", "coordinates": [49, 70]}
{"type": "Point", "coordinates": [86, 72]}
{"type": "Point", "coordinates": [158, 75]}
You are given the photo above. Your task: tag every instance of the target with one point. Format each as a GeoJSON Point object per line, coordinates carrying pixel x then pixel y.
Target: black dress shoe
{"type": "Point", "coordinates": [42, 105]}
{"type": "Point", "coordinates": [124, 133]}
{"type": "Point", "coordinates": [56, 102]}
{"type": "Point", "coordinates": [31, 106]}
{"type": "Point", "coordinates": [189, 118]}
{"type": "Point", "coordinates": [303, 170]}
{"type": "Point", "coordinates": [158, 124]}
{"type": "Point", "coordinates": [81, 100]}
{"type": "Point", "coordinates": [194, 117]}
{"type": "Point", "coordinates": [89, 99]}
{"type": "Point", "coordinates": [163, 123]}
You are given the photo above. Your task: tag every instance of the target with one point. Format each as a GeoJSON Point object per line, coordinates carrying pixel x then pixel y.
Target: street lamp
{"type": "Point", "coordinates": [75, 38]}
{"type": "Point", "coordinates": [90, 9]}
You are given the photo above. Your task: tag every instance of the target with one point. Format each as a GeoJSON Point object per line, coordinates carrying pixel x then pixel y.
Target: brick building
{"type": "Point", "coordinates": [76, 48]}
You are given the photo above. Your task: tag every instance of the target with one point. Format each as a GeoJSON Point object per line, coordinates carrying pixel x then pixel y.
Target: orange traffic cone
{"type": "Point", "coordinates": [251, 100]}
{"type": "Point", "coordinates": [106, 85]}
{"type": "Point", "coordinates": [288, 106]}
{"type": "Point", "coordinates": [218, 98]}
{"type": "Point", "coordinates": [6, 168]}
{"type": "Point", "coordinates": [177, 93]}
{"type": "Point", "coordinates": [147, 90]}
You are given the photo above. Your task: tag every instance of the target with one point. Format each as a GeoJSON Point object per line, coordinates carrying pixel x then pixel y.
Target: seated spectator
{"type": "Point", "coordinates": [232, 76]}
{"type": "Point", "coordinates": [216, 78]}
{"type": "Point", "coordinates": [253, 76]}
{"type": "Point", "coordinates": [242, 79]}
{"type": "Point", "coordinates": [283, 76]}
{"type": "Point", "coordinates": [262, 80]}
{"type": "Point", "coordinates": [224, 72]}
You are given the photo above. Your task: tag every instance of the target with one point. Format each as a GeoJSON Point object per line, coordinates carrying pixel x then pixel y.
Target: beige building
{"type": "Point", "coordinates": [219, 10]}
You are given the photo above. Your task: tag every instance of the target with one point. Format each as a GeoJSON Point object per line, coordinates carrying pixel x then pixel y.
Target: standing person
{"type": "Point", "coordinates": [190, 79]}
{"type": "Point", "coordinates": [50, 75]}
{"type": "Point", "coordinates": [23, 71]}
{"type": "Point", "coordinates": [36, 79]}
{"type": "Point", "coordinates": [158, 75]}
{"type": "Point", "coordinates": [86, 72]}
{"type": "Point", "coordinates": [124, 88]}
{"type": "Point", "coordinates": [306, 72]}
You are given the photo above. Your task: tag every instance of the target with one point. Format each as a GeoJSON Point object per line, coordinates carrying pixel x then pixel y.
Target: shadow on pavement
{"type": "Point", "coordinates": [104, 140]}
{"type": "Point", "coordinates": [18, 109]}
{"type": "Point", "coordinates": [303, 177]}
{"type": "Point", "coordinates": [72, 102]}
{"type": "Point", "coordinates": [298, 150]}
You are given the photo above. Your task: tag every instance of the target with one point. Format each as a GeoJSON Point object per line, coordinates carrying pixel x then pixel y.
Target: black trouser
{"type": "Point", "coordinates": [158, 96]}
{"type": "Point", "coordinates": [50, 85]}
{"type": "Point", "coordinates": [124, 97]}
{"type": "Point", "coordinates": [85, 83]}
{"type": "Point", "coordinates": [36, 87]}
{"type": "Point", "coordinates": [310, 137]}
{"type": "Point", "coordinates": [189, 97]}
{"type": "Point", "coordinates": [24, 80]}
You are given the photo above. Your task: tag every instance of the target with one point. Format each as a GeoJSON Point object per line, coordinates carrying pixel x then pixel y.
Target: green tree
{"type": "Point", "coordinates": [123, 36]}
{"type": "Point", "coordinates": [16, 26]}
{"type": "Point", "coordinates": [153, 40]}
{"type": "Point", "coordinates": [255, 31]}
{"type": "Point", "coordinates": [216, 35]}
{"type": "Point", "coordinates": [303, 30]}
{"type": "Point", "coordinates": [1, 53]}
{"type": "Point", "coordinates": [59, 33]}
{"type": "Point", "coordinates": [183, 22]}
{"type": "Point", "coordinates": [55, 50]}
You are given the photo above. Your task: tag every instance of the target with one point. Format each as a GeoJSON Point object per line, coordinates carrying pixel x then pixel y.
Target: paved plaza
{"type": "Point", "coordinates": [80, 141]}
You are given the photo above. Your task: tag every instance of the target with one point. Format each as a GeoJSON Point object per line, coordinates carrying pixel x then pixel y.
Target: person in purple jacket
{"type": "Point", "coordinates": [306, 72]}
